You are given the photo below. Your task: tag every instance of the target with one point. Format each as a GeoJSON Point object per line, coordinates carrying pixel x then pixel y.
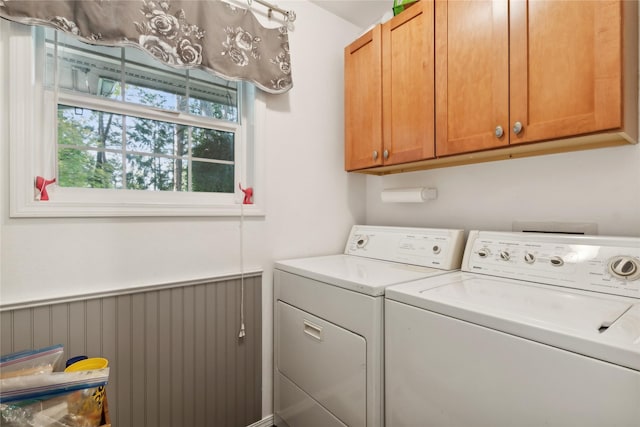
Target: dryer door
{"type": "Point", "coordinates": [324, 360]}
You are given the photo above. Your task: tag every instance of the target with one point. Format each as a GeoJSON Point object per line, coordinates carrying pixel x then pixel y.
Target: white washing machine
{"type": "Point", "coordinates": [536, 330]}
{"type": "Point", "coordinates": [328, 322]}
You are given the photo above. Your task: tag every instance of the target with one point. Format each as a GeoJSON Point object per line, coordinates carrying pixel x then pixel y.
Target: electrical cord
{"type": "Point", "coordinates": [242, 332]}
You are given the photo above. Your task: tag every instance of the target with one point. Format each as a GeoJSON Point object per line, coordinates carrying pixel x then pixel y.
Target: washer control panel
{"type": "Point", "coordinates": [594, 263]}
{"type": "Point", "coordinates": [427, 247]}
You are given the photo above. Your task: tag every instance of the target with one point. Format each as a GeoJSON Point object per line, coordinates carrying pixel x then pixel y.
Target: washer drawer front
{"type": "Point", "coordinates": [324, 360]}
{"type": "Point", "coordinates": [447, 372]}
{"type": "Point", "coordinates": [294, 408]}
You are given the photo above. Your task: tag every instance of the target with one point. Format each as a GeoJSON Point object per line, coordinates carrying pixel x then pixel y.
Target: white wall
{"type": "Point", "coordinates": [311, 201]}
{"type": "Point", "coordinates": [597, 186]}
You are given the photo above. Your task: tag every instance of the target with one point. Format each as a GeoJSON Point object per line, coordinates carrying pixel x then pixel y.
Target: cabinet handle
{"type": "Point", "coordinates": [499, 131]}
{"type": "Point", "coordinates": [517, 127]}
{"type": "Point", "coordinates": [385, 154]}
{"type": "Point", "coordinates": [313, 330]}
{"type": "Point", "coordinates": [375, 155]}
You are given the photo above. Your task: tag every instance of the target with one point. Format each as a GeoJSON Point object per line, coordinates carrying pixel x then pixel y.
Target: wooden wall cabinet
{"type": "Point", "coordinates": [516, 78]}
{"type": "Point", "coordinates": [363, 101]}
{"type": "Point", "coordinates": [515, 72]}
{"type": "Point", "coordinates": [389, 91]}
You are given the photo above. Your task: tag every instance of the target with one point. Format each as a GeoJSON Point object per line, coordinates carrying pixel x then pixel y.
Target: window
{"type": "Point", "coordinates": [125, 135]}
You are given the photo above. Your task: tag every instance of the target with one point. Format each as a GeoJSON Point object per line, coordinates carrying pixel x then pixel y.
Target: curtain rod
{"type": "Point", "coordinates": [289, 15]}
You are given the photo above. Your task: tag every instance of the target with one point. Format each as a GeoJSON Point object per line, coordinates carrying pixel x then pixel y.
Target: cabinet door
{"type": "Point", "coordinates": [408, 85]}
{"type": "Point", "coordinates": [363, 102]}
{"type": "Point", "coordinates": [472, 75]}
{"type": "Point", "coordinates": [327, 362]}
{"type": "Point", "coordinates": [566, 68]}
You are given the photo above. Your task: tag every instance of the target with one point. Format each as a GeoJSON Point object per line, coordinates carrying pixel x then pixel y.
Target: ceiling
{"type": "Point", "coordinates": [362, 13]}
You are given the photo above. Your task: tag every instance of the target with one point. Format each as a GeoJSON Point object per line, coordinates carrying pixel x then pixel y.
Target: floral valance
{"type": "Point", "coordinates": [209, 34]}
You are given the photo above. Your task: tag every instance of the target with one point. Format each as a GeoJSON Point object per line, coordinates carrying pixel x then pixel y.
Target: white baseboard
{"type": "Point", "coordinates": [265, 422]}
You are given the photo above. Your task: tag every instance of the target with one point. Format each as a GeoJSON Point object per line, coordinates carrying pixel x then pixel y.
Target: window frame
{"type": "Point", "coordinates": [32, 113]}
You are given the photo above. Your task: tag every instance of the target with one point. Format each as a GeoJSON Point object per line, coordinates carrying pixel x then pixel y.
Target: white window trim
{"type": "Point", "coordinates": [33, 151]}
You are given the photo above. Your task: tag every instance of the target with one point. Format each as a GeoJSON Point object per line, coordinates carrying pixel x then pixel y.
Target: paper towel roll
{"type": "Point", "coordinates": [407, 195]}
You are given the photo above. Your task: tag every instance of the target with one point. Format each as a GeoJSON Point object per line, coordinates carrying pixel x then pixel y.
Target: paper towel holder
{"type": "Point", "coordinates": [408, 195]}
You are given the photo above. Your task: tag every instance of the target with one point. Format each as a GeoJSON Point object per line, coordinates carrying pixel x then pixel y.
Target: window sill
{"type": "Point", "coordinates": [50, 209]}
{"type": "Point", "coordinates": [64, 203]}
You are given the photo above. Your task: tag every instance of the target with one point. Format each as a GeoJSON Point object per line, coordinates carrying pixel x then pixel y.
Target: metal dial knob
{"type": "Point", "coordinates": [556, 261]}
{"type": "Point", "coordinates": [362, 240]}
{"type": "Point", "coordinates": [375, 155]}
{"type": "Point", "coordinates": [529, 258]}
{"type": "Point", "coordinates": [625, 267]}
{"type": "Point", "coordinates": [484, 252]}
{"type": "Point", "coordinates": [517, 127]}
{"type": "Point", "coordinates": [499, 131]}
{"type": "Point", "coordinates": [505, 256]}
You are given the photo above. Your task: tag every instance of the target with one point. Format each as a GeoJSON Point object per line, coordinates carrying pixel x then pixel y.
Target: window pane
{"type": "Point", "coordinates": [89, 169]}
{"type": "Point", "coordinates": [212, 144]}
{"type": "Point", "coordinates": [182, 174]}
{"type": "Point", "coordinates": [101, 149]}
{"type": "Point", "coordinates": [84, 127]}
{"type": "Point", "coordinates": [97, 70]}
{"type": "Point", "coordinates": [153, 173]}
{"type": "Point", "coordinates": [83, 68]}
{"type": "Point", "coordinates": [149, 82]}
{"type": "Point", "coordinates": [212, 177]}
{"type": "Point", "coordinates": [157, 98]}
{"type": "Point", "coordinates": [153, 136]}
{"type": "Point", "coordinates": [203, 107]}
{"type": "Point", "coordinates": [182, 140]}
{"type": "Point", "coordinates": [211, 96]}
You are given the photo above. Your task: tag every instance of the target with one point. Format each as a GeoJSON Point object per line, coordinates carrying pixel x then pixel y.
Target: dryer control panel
{"type": "Point", "coordinates": [594, 263]}
{"type": "Point", "coordinates": [427, 247]}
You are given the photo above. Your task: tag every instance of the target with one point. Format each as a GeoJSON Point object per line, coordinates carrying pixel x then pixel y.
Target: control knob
{"type": "Point", "coordinates": [484, 252]}
{"type": "Point", "coordinates": [529, 258]}
{"type": "Point", "coordinates": [436, 249]}
{"type": "Point", "coordinates": [556, 261]}
{"type": "Point", "coordinates": [362, 240]}
{"type": "Point", "coordinates": [625, 267]}
{"type": "Point", "coordinates": [504, 255]}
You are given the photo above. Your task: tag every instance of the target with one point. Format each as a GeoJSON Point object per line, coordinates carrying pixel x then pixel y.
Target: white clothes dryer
{"type": "Point", "coordinates": [329, 322]}
{"type": "Point", "coordinates": [537, 329]}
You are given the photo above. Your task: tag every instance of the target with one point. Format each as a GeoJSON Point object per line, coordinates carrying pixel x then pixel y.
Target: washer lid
{"type": "Point", "coordinates": [364, 275]}
{"type": "Point", "coordinates": [599, 326]}
{"type": "Point", "coordinates": [545, 308]}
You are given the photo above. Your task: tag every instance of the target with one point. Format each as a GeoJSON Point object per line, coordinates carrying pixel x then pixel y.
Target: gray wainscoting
{"type": "Point", "coordinates": [175, 356]}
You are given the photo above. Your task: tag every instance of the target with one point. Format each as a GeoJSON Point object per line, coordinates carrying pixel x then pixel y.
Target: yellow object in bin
{"type": "Point", "coordinates": [87, 404]}
{"type": "Point", "coordinates": [88, 364]}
